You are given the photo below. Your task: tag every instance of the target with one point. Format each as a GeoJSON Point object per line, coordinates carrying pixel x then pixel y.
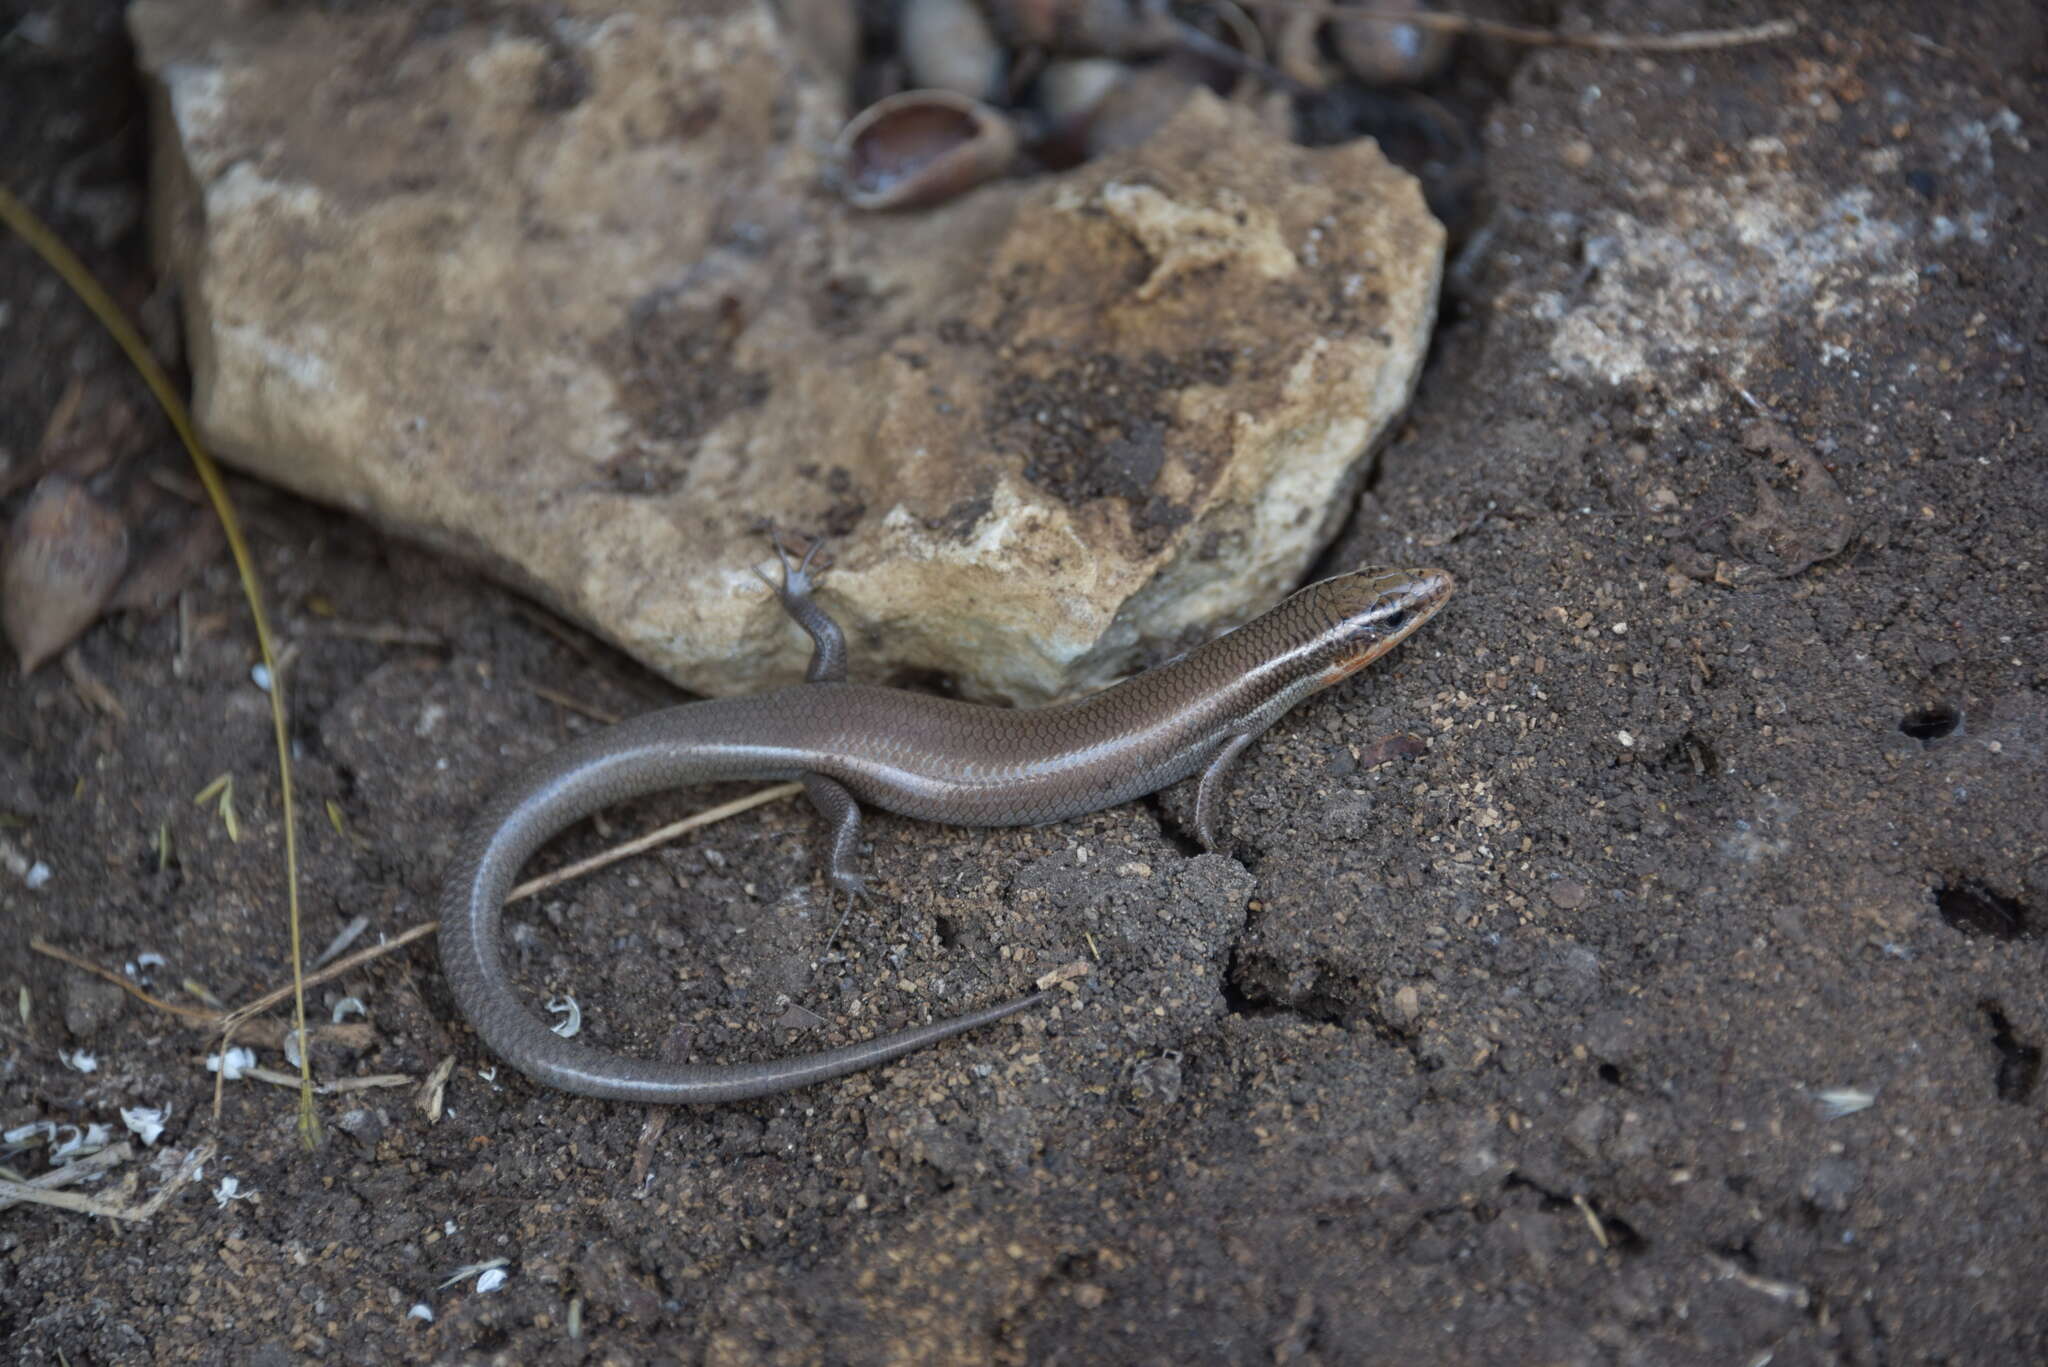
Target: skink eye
{"type": "Point", "coordinates": [1394, 621]}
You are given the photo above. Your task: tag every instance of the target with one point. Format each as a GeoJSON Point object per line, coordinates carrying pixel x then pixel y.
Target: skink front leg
{"type": "Point", "coordinates": [828, 642]}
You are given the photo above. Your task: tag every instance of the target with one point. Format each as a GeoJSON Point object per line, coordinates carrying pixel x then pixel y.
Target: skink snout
{"type": "Point", "coordinates": [1405, 599]}
{"type": "Point", "coordinates": [1387, 602]}
{"type": "Point", "coordinates": [1377, 608]}
{"type": "Point", "coordinates": [1414, 596]}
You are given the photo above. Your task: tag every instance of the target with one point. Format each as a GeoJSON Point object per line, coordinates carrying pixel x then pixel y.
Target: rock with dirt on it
{"type": "Point", "coordinates": [580, 304]}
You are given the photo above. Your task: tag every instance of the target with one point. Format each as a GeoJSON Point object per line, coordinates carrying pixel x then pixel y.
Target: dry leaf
{"type": "Point", "coordinates": [65, 553]}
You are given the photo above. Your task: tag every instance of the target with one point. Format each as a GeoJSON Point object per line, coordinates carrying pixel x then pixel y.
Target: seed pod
{"type": "Point", "coordinates": [1217, 31]}
{"type": "Point", "coordinates": [1140, 106]}
{"type": "Point", "coordinates": [922, 147]}
{"type": "Point", "coordinates": [1387, 52]}
{"type": "Point", "coordinates": [948, 45]}
{"type": "Point", "coordinates": [65, 554]}
{"type": "Point", "coordinates": [1069, 89]}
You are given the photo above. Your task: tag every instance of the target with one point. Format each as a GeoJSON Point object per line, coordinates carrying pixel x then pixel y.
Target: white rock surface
{"type": "Point", "coordinates": [575, 299]}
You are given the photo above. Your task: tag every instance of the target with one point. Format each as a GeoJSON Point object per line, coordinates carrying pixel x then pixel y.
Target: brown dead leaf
{"type": "Point", "coordinates": [1787, 535]}
{"type": "Point", "coordinates": [65, 553]}
{"type": "Point", "coordinates": [88, 429]}
{"type": "Point", "coordinates": [172, 564]}
{"type": "Point", "coordinates": [1400, 745]}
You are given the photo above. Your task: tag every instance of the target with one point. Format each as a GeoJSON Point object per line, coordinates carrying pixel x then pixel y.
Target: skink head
{"type": "Point", "coordinates": [1373, 610]}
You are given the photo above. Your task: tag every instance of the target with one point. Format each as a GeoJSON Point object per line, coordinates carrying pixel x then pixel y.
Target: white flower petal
{"type": "Point", "coordinates": [239, 1059]}
{"type": "Point", "coordinates": [145, 1122]}
{"type": "Point", "coordinates": [1837, 1102]}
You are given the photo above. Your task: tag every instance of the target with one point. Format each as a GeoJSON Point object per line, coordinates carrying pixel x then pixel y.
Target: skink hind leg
{"type": "Point", "coordinates": [842, 868]}
{"type": "Point", "coordinates": [1209, 793]}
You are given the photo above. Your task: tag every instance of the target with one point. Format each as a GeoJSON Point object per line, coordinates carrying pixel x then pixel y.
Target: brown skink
{"type": "Point", "coordinates": [931, 758]}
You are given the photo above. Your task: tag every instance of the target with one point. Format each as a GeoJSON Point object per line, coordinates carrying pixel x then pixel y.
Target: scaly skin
{"type": "Point", "coordinates": [931, 758]}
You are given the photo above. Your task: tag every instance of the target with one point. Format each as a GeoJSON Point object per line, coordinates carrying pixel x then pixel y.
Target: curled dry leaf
{"type": "Point", "coordinates": [65, 553]}
{"type": "Point", "coordinates": [1226, 44]}
{"type": "Point", "coordinates": [1297, 51]}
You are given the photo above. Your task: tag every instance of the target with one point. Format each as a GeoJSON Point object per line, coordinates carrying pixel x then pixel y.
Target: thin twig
{"type": "Point", "coordinates": [270, 1032]}
{"type": "Point", "coordinates": [349, 933]}
{"type": "Point", "coordinates": [202, 1153]}
{"type": "Point", "coordinates": [564, 700]}
{"type": "Point", "coordinates": [190, 1013]}
{"type": "Point", "coordinates": [232, 1020]}
{"type": "Point", "coordinates": [1691, 40]}
{"type": "Point", "coordinates": [346, 1084]}
{"type": "Point", "coordinates": [89, 1166]}
{"type": "Point", "coordinates": [11, 1192]}
{"type": "Point", "coordinates": [376, 633]}
{"type": "Point", "coordinates": [236, 1017]}
{"type": "Point", "coordinates": [653, 838]}
{"type": "Point", "coordinates": [90, 688]}
{"type": "Point", "coordinates": [1593, 1221]}
{"type": "Point", "coordinates": [571, 639]}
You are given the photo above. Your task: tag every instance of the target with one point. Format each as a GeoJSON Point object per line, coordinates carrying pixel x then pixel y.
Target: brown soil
{"type": "Point", "coordinates": [1524, 1046]}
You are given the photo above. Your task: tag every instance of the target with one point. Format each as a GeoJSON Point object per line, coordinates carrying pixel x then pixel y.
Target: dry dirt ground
{"type": "Point", "coordinates": [1680, 997]}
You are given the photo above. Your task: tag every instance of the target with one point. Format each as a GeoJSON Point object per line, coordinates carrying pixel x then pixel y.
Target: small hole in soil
{"type": "Point", "coordinates": [1974, 909]}
{"type": "Point", "coordinates": [1610, 1074]}
{"type": "Point", "coordinates": [1931, 723]}
{"type": "Point", "coordinates": [1623, 1235]}
{"type": "Point", "coordinates": [948, 931]}
{"type": "Point", "coordinates": [2019, 1065]}
{"type": "Point", "coordinates": [1177, 836]}
{"type": "Point", "coordinates": [1740, 1254]}
{"type": "Point", "coordinates": [1691, 753]}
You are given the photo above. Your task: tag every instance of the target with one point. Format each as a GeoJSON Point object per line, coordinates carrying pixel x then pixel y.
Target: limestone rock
{"type": "Point", "coordinates": [573, 297]}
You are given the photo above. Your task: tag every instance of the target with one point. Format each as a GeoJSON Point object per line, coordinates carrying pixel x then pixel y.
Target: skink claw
{"type": "Point", "coordinates": [858, 893]}
{"type": "Point", "coordinates": [797, 582]}
{"type": "Point", "coordinates": [804, 566]}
